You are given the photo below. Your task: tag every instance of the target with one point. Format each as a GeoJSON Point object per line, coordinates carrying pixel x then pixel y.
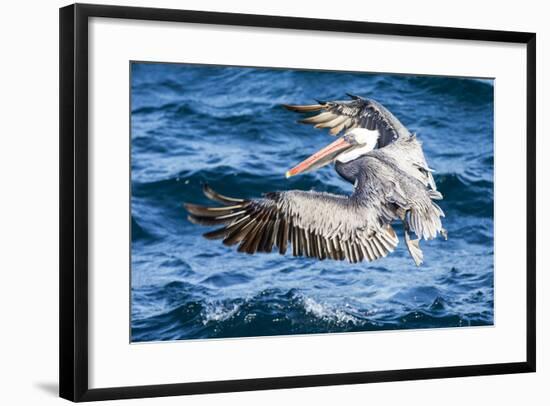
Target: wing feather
{"type": "Point", "coordinates": [316, 225]}
{"type": "Point", "coordinates": [341, 115]}
{"type": "Point", "coordinates": [282, 242]}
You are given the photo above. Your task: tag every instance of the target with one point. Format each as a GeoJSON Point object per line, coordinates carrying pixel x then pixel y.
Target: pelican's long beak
{"type": "Point", "coordinates": [321, 157]}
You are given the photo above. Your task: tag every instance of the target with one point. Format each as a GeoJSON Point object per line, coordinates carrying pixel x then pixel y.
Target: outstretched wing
{"type": "Point", "coordinates": [319, 225]}
{"type": "Point", "coordinates": [339, 116]}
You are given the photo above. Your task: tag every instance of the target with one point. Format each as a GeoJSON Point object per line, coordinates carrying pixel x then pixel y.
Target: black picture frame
{"type": "Point", "coordinates": [73, 79]}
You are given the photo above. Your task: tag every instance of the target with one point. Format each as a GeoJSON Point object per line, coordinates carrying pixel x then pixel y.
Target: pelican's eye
{"type": "Point", "coordinates": [350, 138]}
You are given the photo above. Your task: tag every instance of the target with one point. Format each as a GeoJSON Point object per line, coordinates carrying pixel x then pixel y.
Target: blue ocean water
{"type": "Point", "coordinates": [225, 126]}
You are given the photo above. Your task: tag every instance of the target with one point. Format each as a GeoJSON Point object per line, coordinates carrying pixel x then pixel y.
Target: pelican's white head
{"type": "Point", "coordinates": [364, 141]}
{"type": "Point", "coordinates": [348, 147]}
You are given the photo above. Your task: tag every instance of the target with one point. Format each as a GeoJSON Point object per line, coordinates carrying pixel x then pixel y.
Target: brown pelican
{"type": "Point", "coordinates": [392, 181]}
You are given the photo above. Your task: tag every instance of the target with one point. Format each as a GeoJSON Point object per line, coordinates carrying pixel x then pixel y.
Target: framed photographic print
{"type": "Point", "coordinates": [256, 202]}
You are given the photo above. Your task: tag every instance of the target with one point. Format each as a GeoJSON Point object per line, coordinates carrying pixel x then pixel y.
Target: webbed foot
{"type": "Point", "coordinates": [414, 249]}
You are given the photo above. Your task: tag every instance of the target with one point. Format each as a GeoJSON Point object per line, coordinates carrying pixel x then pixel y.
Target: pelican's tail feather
{"type": "Point", "coordinates": [426, 221]}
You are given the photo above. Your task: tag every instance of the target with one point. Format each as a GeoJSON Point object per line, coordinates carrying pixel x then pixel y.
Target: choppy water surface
{"type": "Point", "coordinates": [225, 126]}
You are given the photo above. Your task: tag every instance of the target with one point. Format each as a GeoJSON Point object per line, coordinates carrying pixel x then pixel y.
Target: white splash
{"type": "Point", "coordinates": [326, 312]}
{"type": "Point", "coordinates": [216, 312]}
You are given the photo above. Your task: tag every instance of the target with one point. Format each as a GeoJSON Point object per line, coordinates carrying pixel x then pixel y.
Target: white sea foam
{"type": "Point", "coordinates": [216, 312]}
{"type": "Point", "coordinates": [327, 312]}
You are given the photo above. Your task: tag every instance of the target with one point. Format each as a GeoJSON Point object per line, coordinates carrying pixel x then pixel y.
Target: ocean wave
{"type": "Point", "coordinates": [272, 312]}
{"type": "Point", "coordinates": [139, 232]}
{"type": "Point", "coordinates": [236, 112]}
{"type": "Point", "coordinates": [471, 92]}
{"type": "Point", "coordinates": [467, 196]}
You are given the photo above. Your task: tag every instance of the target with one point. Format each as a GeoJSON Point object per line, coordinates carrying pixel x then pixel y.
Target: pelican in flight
{"type": "Point", "coordinates": [392, 182]}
